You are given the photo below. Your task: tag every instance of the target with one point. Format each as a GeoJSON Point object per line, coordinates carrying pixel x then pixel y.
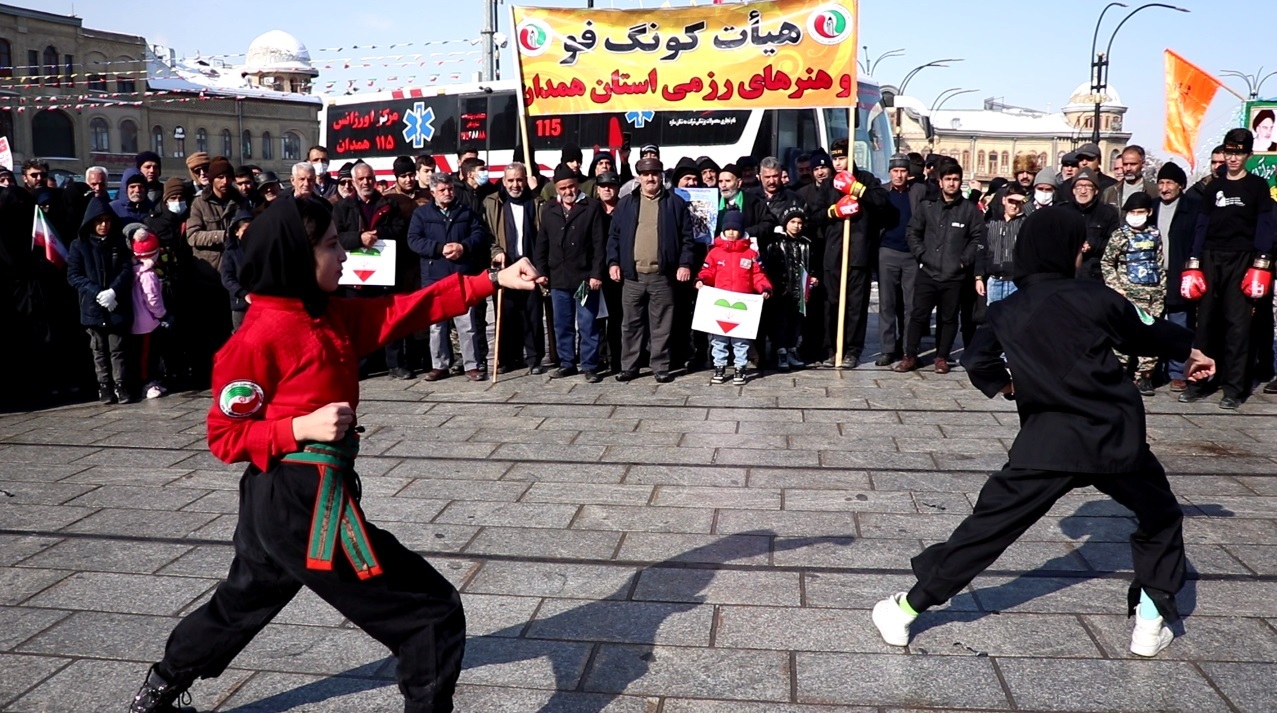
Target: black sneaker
{"type": "Point", "coordinates": [536, 370]}
{"type": "Point", "coordinates": [740, 376]}
{"type": "Point", "coordinates": [664, 377]}
{"type": "Point", "coordinates": [1230, 403]}
{"type": "Point", "coordinates": [1271, 387]}
{"type": "Point", "coordinates": [627, 375]}
{"type": "Point", "coordinates": [106, 395]}
{"type": "Point", "coordinates": [885, 360]}
{"type": "Point", "coordinates": [720, 375]}
{"type": "Point", "coordinates": [563, 372]}
{"type": "Point", "coordinates": [593, 377]}
{"type": "Point", "coordinates": [1145, 386]}
{"type": "Point", "coordinates": [401, 374]}
{"type": "Point", "coordinates": [124, 397]}
{"type": "Point", "coordinates": [1191, 396]}
{"type": "Point", "coordinates": [158, 696]}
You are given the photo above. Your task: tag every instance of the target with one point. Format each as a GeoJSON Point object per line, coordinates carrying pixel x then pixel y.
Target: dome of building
{"type": "Point", "coordinates": [277, 51]}
{"type": "Point", "coordinates": [1084, 97]}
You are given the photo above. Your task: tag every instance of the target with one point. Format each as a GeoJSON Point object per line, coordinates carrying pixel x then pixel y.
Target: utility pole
{"type": "Point", "coordinates": [489, 41]}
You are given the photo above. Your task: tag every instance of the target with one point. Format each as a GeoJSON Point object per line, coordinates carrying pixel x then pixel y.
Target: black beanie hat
{"type": "Point", "coordinates": [145, 156]}
{"type": "Point", "coordinates": [404, 164]}
{"type": "Point", "coordinates": [734, 220]}
{"type": "Point", "coordinates": [1138, 200]}
{"type": "Point", "coordinates": [563, 173]}
{"type": "Point", "coordinates": [571, 152]}
{"type": "Point", "coordinates": [1172, 171]}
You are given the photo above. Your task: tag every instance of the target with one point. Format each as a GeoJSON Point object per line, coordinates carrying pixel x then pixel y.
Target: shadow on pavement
{"type": "Point", "coordinates": [698, 568]}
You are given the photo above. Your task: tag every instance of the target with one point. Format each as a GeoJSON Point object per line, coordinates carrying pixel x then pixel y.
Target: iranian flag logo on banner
{"type": "Point", "coordinates": [45, 240]}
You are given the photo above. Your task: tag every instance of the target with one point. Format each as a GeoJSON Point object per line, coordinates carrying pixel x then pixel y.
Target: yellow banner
{"type": "Point", "coordinates": [776, 54]}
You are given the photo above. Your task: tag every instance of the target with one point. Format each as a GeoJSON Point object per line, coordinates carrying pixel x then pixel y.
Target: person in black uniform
{"type": "Point", "coordinates": [1081, 424]}
{"type": "Point", "coordinates": [1233, 242]}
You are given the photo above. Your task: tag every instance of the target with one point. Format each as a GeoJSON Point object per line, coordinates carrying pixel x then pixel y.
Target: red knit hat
{"type": "Point", "coordinates": [145, 244]}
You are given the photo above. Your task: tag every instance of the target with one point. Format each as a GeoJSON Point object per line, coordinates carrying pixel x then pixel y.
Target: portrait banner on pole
{"type": "Point", "coordinates": [774, 54]}
{"type": "Point", "coordinates": [727, 314]}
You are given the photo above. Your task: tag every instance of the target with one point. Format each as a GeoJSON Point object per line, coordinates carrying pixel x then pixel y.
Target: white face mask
{"type": "Point", "coordinates": [1043, 197]}
{"type": "Point", "coordinates": [481, 176]}
{"type": "Point", "coordinates": [321, 168]}
{"type": "Point", "coordinates": [176, 206]}
{"type": "Point", "coordinates": [1136, 221]}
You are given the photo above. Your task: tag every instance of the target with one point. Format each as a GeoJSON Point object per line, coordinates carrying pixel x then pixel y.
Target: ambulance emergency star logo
{"type": "Point", "coordinates": [419, 125]}
{"type": "Point", "coordinates": [241, 399]}
{"type": "Point", "coordinates": [639, 119]}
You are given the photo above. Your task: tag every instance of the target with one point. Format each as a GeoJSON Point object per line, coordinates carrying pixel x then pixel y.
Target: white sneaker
{"type": "Point", "coordinates": [892, 621]}
{"type": "Point", "coordinates": [154, 390]}
{"type": "Point", "coordinates": [1149, 637]}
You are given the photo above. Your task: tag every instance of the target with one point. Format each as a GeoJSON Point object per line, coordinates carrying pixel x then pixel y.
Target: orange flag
{"type": "Point", "coordinates": [1189, 90]}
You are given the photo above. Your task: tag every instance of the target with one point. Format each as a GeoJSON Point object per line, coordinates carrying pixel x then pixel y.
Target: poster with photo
{"type": "Point", "coordinates": [703, 203]}
{"type": "Point", "coordinates": [1261, 117]}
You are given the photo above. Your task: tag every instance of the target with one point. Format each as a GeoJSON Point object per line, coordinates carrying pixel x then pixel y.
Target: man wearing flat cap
{"type": "Point", "coordinates": [650, 247]}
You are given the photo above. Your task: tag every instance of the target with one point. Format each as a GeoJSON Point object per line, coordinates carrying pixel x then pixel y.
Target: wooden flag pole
{"type": "Point", "coordinates": [496, 337]}
{"type": "Point", "coordinates": [846, 243]}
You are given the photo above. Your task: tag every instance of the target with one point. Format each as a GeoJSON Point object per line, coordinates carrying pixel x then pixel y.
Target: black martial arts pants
{"type": "Point", "coordinates": [928, 294]}
{"type": "Point", "coordinates": [1014, 499]}
{"type": "Point", "coordinates": [1224, 321]}
{"type": "Point", "coordinates": [409, 607]}
{"type": "Point", "coordinates": [856, 318]}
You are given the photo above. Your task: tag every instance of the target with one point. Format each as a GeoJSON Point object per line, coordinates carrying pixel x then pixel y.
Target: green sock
{"type": "Point", "coordinates": [904, 607]}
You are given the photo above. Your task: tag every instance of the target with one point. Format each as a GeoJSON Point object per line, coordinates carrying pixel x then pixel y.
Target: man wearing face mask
{"type": "Point", "coordinates": [474, 185]}
{"type": "Point", "coordinates": [1043, 192]}
{"type": "Point", "coordinates": [325, 186]}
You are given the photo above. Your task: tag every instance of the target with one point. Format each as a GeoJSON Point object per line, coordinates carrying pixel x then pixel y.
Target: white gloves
{"type": "Point", "coordinates": [106, 298]}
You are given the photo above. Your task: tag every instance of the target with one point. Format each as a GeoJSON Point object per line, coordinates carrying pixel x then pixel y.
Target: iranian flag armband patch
{"type": "Point", "coordinates": [241, 399]}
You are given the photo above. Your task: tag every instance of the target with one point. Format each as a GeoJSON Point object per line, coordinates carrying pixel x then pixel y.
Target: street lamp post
{"type": "Point", "coordinates": [1100, 63]}
{"type": "Point", "coordinates": [946, 95]}
{"type": "Point", "coordinates": [1254, 82]}
{"type": "Point", "coordinates": [937, 63]}
{"type": "Point", "coordinates": [869, 67]}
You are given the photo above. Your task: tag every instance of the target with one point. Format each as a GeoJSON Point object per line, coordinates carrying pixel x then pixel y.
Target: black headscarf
{"type": "Point", "coordinates": [279, 259]}
{"type": "Point", "coordinates": [1049, 242]}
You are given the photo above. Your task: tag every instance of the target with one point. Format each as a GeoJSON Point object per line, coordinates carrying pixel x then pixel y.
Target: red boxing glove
{"type": "Point", "coordinates": [846, 207]}
{"type": "Point", "coordinates": [845, 182]}
{"type": "Point", "coordinates": [1258, 279]}
{"type": "Point", "coordinates": [1192, 283]}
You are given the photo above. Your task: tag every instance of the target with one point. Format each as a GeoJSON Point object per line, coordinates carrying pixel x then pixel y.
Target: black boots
{"type": "Point", "coordinates": [159, 696]}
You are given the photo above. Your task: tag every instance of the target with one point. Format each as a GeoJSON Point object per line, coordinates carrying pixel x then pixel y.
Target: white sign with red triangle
{"type": "Point", "coordinates": [374, 266]}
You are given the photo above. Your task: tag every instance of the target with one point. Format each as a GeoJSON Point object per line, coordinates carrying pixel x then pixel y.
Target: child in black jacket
{"type": "Point", "coordinates": [100, 268]}
{"type": "Point", "coordinates": [1081, 424]}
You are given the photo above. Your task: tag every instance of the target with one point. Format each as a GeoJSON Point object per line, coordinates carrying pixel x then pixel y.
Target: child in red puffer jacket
{"type": "Point", "coordinates": [733, 265]}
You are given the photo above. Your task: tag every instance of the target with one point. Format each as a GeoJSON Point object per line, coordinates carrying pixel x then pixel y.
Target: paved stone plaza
{"type": "Point", "coordinates": [645, 548]}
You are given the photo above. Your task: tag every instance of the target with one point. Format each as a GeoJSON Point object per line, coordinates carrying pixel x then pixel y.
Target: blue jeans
{"type": "Point", "coordinates": [996, 288]}
{"type": "Point", "coordinates": [571, 320]}
{"type": "Point", "coordinates": [1175, 369]}
{"type": "Point", "coordinates": [740, 350]}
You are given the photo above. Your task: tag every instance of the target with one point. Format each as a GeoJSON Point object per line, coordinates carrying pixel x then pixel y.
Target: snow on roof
{"type": "Point", "coordinates": [278, 51]}
{"type": "Point", "coordinates": [985, 121]}
{"type": "Point", "coordinates": [1084, 97]}
{"type": "Point", "coordinates": [167, 73]}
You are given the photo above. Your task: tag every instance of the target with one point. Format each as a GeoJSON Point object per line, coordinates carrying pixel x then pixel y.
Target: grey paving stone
{"type": "Point", "coordinates": [1210, 484]}
{"type": "Point", "coordinates": [548, 452]}
{"type": "Point", "coordinates": [20, 583]}
{"type": "Point", "coordinates": [526, 542]}
{"type": "Point", "coordinates": [1252, 688]}
{"type": "Point", "coordinates": [88, 685]}
{"type": "Point", "coordinates": [394, 509]}
{"type": "Point", "coordinates": [842, 415]}
{"type": "Point", "coordinates": [710, 673]}
{"type": "Point", "coordinates": [490, 699]}
{"type": "Point", "coordinates": [122, 593]}
{"type": "Point", "coordinates": [40, 517]}
{"type": "Point", "coordinates": [595, 424]}
{"type": "Point", "coordinates": [845, 551]}
{"type": "Point", "coordinates": [310, 649]}
{"type": "Point", "coordinates": [524, 663]}
{"type": "Point", "coordinates": [784, 522]}
{"type": "Point", "coordinates": [873, 441]}
{"type": "Point", "coordinates": [549, 515]}
{"type": "Point", "coordinates": [156, 523]}
{"type": "Point", "coordinates": [646, 454]}
{"type": "Point", "coordinates": [862, 591]}
{"type": "Point", "coordinates": [707, 497]}
{"type": "Point", "coordinates": [848, 500]}
{"type": "Point", "coordinates": [138, 497]}
{"type": "Point", "coordinates": [755, 457]}
{"type": "Point", "coordinates": [1233, 598]}
{"type": "Point", "coordinates": [1257, 484]}
{"type": "Point", "coordinates": [225, 480]}
{"type": "Point", "coordinates": [798, 629]}
{"type": "Point", "coordinates": [207, 561]}
{"type": "Point", "coordinates": [107, 556]}
{"type": "Point", "coordinates": [588, 493]}
{"type": "Point", "coordinates": [1261, 559]}
{"type": "Point", "coordinates": [219, 501]}
{"type": "Point", "coordinates": [24, 672]}
{"type": "Point", "coordinates": [21, 492]}
{"type": "Point", "coordinates": [498, 436]}
{"type": "Point", "coordinates": [498, 615]}
{"type": "Point", "coordinates": [675, 624]}
{"type": "Point", "coordinates": [1095, 685]}
{"type": "Point", "coordinates": [426, 469]}
{"type": "Point", "coordinates": [876, 459]}
{"type": "Point", "coordinates": [598, 473]}
{"type": "Point", "coordinates": [673, 584]}
{"type": "Point", "coordinates": [423, 537]}
{"type": "Point", "coordinates": [449, 450]}
{"type": "Point", "coordinates": [831, 478]}
{"type": "Point", "coordinates": [682, 425]}
{"type": "Point", "coordinates": [134, 457]}
{"type": "Point", "coordinates": [954, 633]}
{"type": "Point", "coordinates": [682, 475]}
{"type": "Point", "coordinates": [222, 528]}
{"type": "Point", "coordinates": [677, 705]}
{"type": "Point", "coordinates": [827, 431]}
{"type": "Point", "coordinates": [1230, 531]}
{"type": "Point", "coordinates": [17, 624]}
{"type": "Point", "coordinates": [494, 491]}
{"type": "Point", "coordinates": [931, 526]}
{"type": "Point", "coordinates": [1203, 638]}
{"type": "Point", "coordinates": [15, 548]}
{"type": "Point", "coordinates": [45, 454]}
{"type": "Point", "coordinates": [1050, 595]}
{"type": "Point", "coordinates": [893, 679]}
{"type": "Point", "coordinates": [121, 475]}
{"type": "Point", "coordinates": [712, 549]}
{"type": "Point", "coordinates": [39, 472]}
{"type": "Point", "coordinates": [104, 635]}
{"type": "Point", "coordinates": [628, 518]}
{"type": "Point", "coordinates": [537, 579]}
{"type": "Point", "coordinates": [1115, 557]}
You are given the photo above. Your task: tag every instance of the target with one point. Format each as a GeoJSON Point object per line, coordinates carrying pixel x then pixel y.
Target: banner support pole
{"type": "Point", "coordinates": [846, 244]}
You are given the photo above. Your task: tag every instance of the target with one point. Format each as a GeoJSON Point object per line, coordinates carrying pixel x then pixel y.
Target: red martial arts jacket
{"type": "Point", "coordinates": [283, 363]}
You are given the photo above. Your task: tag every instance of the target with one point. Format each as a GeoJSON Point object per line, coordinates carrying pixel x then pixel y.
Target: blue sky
{"type": "Point", "coordinates": [1016, 53]}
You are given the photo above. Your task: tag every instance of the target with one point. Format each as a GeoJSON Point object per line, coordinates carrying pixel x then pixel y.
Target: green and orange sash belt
{"type": "Point", "coordinates": [336, 516]}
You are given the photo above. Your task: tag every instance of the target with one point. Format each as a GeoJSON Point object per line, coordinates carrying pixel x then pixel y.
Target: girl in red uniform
{"type": "Point", "coordinates": [286, 387]}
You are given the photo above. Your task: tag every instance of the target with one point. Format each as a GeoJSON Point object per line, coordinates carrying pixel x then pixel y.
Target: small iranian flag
{"type": "Point", "coordinates": [45, 239]}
